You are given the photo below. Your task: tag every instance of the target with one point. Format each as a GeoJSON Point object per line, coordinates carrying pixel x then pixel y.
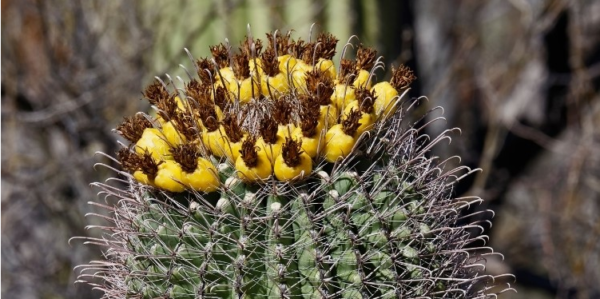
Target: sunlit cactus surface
{"type": "Point", "coordinates": [274, 172]}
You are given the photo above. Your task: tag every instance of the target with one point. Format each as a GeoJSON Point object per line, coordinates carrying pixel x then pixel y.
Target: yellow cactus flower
{"type": "Point", "coordinates": [143, 167]}
{"type": "Point", "coordinates": [170, 176]}
{"type": "Point", "coordinates": [313, 145]}
{"type": "Point", "coordinates": [219, 113]}
{"type": "Point", "coordinates": [234, 137]}
{"type": "Point", "coordinates": [284, 131]}
{"type": "Point", "coordinates": [225, 77]}
{"type": "Point", "coordinates": [197, 173]}
{"type": "Point", "coordinates": [173, 136]}
{"type": "Point", "coordinates": [328, 116]}
{"type": "Point", "coordinates": [204, 178]}
{"type": "Point", "coordinates": [385, 102]}
{"type": "Point", "coordinates": [292, 163]}
{"type": "Point", "coordinates": [155, 143]}
{"type": "Point", "coordinates": [232, 149]}
{"type": "Point", "coordinates": [265, 109]}
{"type": "Point", "coordinates": [287, 63]}
{"type": "Point", "coordinates": [245, 90]}
{"type": "Point", "coordinates": [362, 80]}
{"type": "Point", "coordinates": [253, 165]}
{"type": "Point", "coordinates": [387, 93]}
{"type": "Point", "coordinates": [181, 104]}
{"type": "Point", "coordinates": [271, 150]}
{"type": "Point", "coordinates": [215, 141]}
{"type": "Point", "coordinates": [299, 76]}
{"type": "Point", "coordinates": [340, 139]}
{"type": "Point", "coordinates": [143, 178]}
{"type": "Point", "coordinates": [133, 127]}
{"type": "Point", "coordinates": [366, 119]}
{"type": "Point", "coordinates": [338, 144]}
{"type": "Point", "coordinates": [274, 86]}
{"type": "Point", "coordinates": [256, 67]}
{"type": "Point", "coordinates": [342, 96]}
{"type": "Point", "coordinates": [273, 81]}
{"type": "Point", "coordinates": [326, 66]}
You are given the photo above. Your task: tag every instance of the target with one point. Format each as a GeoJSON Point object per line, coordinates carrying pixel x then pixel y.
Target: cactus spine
{"type": "Point", "coordinates": [225, 201]}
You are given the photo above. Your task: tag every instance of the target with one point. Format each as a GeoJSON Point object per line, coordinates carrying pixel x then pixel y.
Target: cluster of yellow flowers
{"type": "Point", "coordinates": [271, 112]}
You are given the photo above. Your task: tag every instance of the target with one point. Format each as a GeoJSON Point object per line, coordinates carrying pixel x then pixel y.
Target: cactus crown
{"type": "Point", "coordinates": [275, 175]}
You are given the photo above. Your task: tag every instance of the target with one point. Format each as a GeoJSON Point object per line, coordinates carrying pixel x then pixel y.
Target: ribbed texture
{"type": "Point", "coordinates": [380, 222]}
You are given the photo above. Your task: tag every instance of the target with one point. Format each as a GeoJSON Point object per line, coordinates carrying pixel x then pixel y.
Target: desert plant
{"type": "Point", "coordinates": [275, 173]}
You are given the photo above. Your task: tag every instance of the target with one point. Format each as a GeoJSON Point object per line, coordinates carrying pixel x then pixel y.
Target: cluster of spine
{"type": "Point", "coordinates": [276, 112]}
{"type": "Point", "coordinates": [371, 216]}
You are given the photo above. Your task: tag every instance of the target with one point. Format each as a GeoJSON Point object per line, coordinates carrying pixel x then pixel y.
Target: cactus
{"type": "Point", "coordinates": [274, 173]}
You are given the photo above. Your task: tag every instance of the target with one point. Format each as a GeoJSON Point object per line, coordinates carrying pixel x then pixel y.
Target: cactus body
{"type": "Point", "coordinates": [370, 216]}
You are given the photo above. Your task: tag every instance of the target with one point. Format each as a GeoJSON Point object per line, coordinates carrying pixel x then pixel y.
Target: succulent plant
{"type": "Point", "coordinates": [274, 173]}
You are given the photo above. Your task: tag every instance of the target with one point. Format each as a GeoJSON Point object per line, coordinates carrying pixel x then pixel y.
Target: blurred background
{"type": "Point", "coordinates": [519, 77]}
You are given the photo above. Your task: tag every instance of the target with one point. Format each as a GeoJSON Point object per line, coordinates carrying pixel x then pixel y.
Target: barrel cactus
{"type": "Point", "coordinates": [276, 173]}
